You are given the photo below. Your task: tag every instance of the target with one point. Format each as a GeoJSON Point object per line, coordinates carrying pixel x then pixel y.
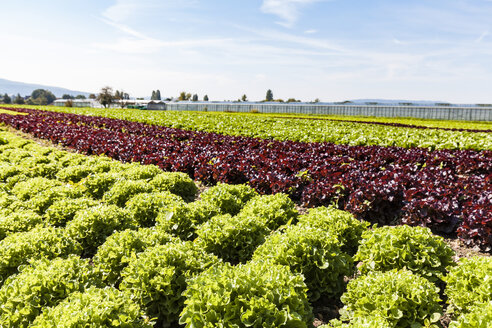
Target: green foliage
{"type": "Point", "coordinates": [43, 283]}
{"type": "Point", "coordinates": [359, 322]}
{"type": "Point", "coordinates": [312, 253]}
{"type": "Point", "coordinates": [135, 171]}
{"type": "Point", "coordinates": [230, 199]}
{"type": "Point", "coordinates": [7, 171]}
{"type": "Point", "coordinates": [469, 283]}
{"type": "Point", "coordinates": [66, 159]}
{"type": "Point", "coordinates": [122, 246]}
{"type": "Point", "coordinates": [414, 248]}
{"type": "Point", "coordinates": [145, 207]}
{"type": "Point", "coordinates": [18, 222]}
{"type": "Point", "coordinates": [400, 297]}
{"type": "Point", "coordinates": [41, 202]}
{"type": "Point", "coordinates": [13, 180]}
{"type": "Point", "coordinates": [273, 210]}
{"type": "Point", "coordinates": [42, 97]}
{"type": "Point", "coordinates": [157, 277]}
{"type": "Point", "coordinates": [18, 206]}
{"type": "Point", "coordinates": [336, 222]}
{"type": "Point", "coordinates": [6, 200]}
{"type": "Point", "coordinates": [64, 210]}
{"type": "Point", "coordinates": [40, 193]}
{"type": "Point", "coordinates": [106, 96]}
{"type": "Point", "coordinates": [232, 238]}
{"type": "Point", "coordinates": [178, 220]}
{"type": "Point", "coordinates": [7, 99]}
{"type": "Point", "coordinates": [45, 170]}
{"type": "Point", "coordinates": [181, 220]}
{"type": "Point", "coordinates": [39, 242]}
{"type": "Point", "coordinates": [479, 316]}
{"type": "Point", "coordinates": [96, 185]}
{"type": "Point", "coordinates": [94, 308]}
{"type": "Point", "coordinates": [201, 211]}
{"type": "Point", "coordinates": [177, 183]}
{"type": "Point", "coordinates": [19, 100]}
{"type": "Point", "coordinates": [256, 295]}
{"type": "Point", "coordinates": [26, 190]}
{"type": "Point", "coordinates": [92, 226]}
{"type": "Point", "coordinates": [123, 190]}
{"type": "Point", "coordinates": [76, 173]}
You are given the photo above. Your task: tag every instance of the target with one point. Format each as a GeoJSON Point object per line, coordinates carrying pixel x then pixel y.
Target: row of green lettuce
{"type": "Point", "coordinates": [430, 123]}
{"type": "Point", "coordinates": [269, 127]}
{"type": "Point", "coordinates": [87, 241]}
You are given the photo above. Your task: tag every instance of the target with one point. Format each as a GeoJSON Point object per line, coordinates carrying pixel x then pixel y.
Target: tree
{"type": "Point", "coordinates": [106, 97]}
{"type": "Point", "coordinates": [195, 97]}
{"type": "Point", "coordinates": [42, 97]}
{"type": "Point", "coordinates": [269, 95]}
{"type": "Point", "coordinates": [92, 96]}
{"type": "Point", "coordinates": [120, 97]}
{"type": "Point", "coordinates": [66, 96]}
{"type": "Point", "coordinates": [19, 100]}
{"type": "Point", "coordinates": [244, 98]}
{"type": "Point", "coordinates": [158, 95]}
{"type": "Point", "coordinates": [153, 95]}
{"type": "Point", "coordinates": [7, 99]}
{"type": "Point", "coordinates": [316, 100]}
{"type": "Point", "coordinates": [80, 97]}
{"type": "Point", "coordinates": [292, 100]}
{"type": "Point", "coordinates": [205, 98]}
{"type": "Point", "coordinates": [184, 96]}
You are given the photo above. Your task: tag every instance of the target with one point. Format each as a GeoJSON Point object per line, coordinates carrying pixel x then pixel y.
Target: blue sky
{"type": "Point", "coordinates": [306, 49]}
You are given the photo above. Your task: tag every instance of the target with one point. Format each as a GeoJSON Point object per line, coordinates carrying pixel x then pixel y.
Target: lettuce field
{"type": "Point", "coordinates": [232, 221]}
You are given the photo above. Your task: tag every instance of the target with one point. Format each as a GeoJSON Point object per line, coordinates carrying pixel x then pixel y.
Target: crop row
{"type": "Point", "coordinates": [410, 121]}
{"type": "Point", "coordinates": [448, 191]}
{"type": "Point", "coordinates": [87, 241]}
{"type": "Point", "coordinates": [282, 129]}
{"type": "Point", "coordinates": [400, 125]}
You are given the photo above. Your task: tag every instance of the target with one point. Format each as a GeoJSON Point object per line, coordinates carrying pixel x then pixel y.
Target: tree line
{"type": "Point", "coordinates": [40, 97]}
{"type": "Point", "coordinates": [107, 96]}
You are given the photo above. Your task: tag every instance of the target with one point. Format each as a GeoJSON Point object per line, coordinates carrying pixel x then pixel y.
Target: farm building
{"type": "Point", "coordinates": [434, 111]}
{"type": "Point", "coordinates": [78, 103]}
{"type": "Point", "coordinates": [156, 105]}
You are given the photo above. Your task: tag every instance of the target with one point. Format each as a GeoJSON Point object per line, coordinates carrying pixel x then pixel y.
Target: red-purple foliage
{"type": "Point", "coordinates": [448, 191]}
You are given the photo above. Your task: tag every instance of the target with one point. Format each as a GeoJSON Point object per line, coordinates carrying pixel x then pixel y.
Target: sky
{"type": "Point", "coordinates": [332, 50]}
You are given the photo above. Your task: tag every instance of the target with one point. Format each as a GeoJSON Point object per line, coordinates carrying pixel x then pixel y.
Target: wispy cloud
{"type": "Point", "coordinates": [398, 41]}
{"type": "Point", "coordinates": [482, 36]}
{"type": "Point", "coordinates": [134, 42]}
{"type": "Point", "coordinates": [276, 36]}
{"type": "Point", "coordinates": [122, 10]}
{"type": "Point", "coordinates": [287, 10]}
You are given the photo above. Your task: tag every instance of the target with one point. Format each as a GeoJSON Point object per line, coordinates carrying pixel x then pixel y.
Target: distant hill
{"type": "Point", "coordinates": [25, 89]}
{"type": "Point", "coordinates": [397, 101]}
